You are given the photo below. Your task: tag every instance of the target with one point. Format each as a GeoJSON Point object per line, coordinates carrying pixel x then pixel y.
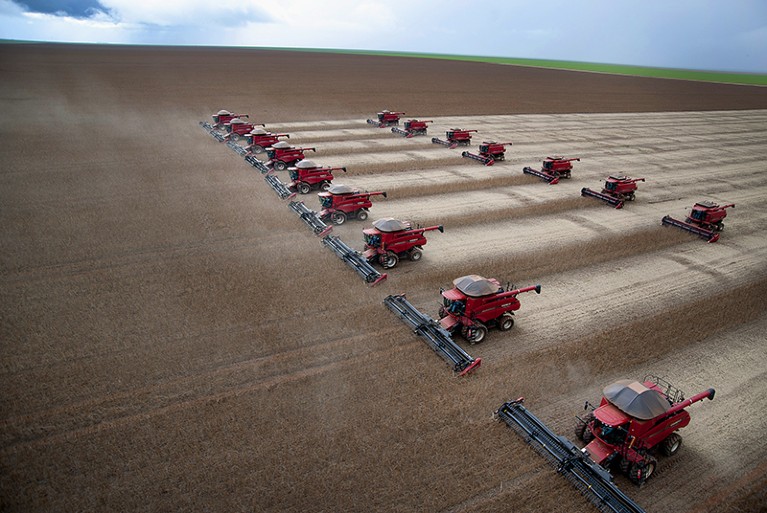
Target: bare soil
{"type": "Point", "coordinates": [175, 339]}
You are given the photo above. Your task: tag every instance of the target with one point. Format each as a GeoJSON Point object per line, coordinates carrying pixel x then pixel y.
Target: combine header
{"type": "Point", "coordinates": [237, 128]}
{"type": "Point", "coordinates": [632, 421]}
{"type": "Point", "coordinates": [705, 220]}
{"type": "Point", "coordinates": [553, 169]}
{"type": "Point", "coordinates": [434, 335]}
{"type": "Point", "coordinates": [476, 303]}
{"type": "Point", "coordinates": [240, 150]}
{"type": "Point", "coordinates": [413, 127]}
{"type": "Point", "coordinates": [340, 202]}
{"type": "Point", "coordinates": [354, 259]}
{"type": "Point", "coordinates": [310, 217]}
{"type": "Point", "coordinates": [489, 152]}
{"type": "Point", "coordinates": [593, 481]}
{"type": "Point", "coordinates": [253, 161]}
{"type": "Point", "coordinates": [282, 155]}
{"type": "Point", "coordinates": [212, 131]}
{"type": "Point", "coordinates": [386, 118]}
{"type": "Point", "coordinates": [455, 137]}
{"type": "Point", "coordinates": [307, 175]}
{"type": "Point", "coordinates": [391, 239]}
{"type": "Point", "coordinates": [282, 191]}
{"type": "Point", "coordinates": [259, 139]}
{"type": "Point", "coordinates": [616, 191]}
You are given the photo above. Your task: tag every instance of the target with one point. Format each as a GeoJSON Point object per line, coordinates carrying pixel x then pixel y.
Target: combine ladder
{"type": "Point", "coordinates": [310, 217]}
{"type": "Point", "coordinates": [354, 259]}
{"type": "Point", "coordinates": [592, 480]}
{"type": "Point", "coordinates": [433, 333]}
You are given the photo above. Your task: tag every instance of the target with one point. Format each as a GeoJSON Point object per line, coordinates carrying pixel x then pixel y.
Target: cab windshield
{"type": "Point", "coordinates": [326, 201]}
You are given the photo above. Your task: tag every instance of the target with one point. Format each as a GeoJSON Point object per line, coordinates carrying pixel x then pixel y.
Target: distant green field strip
{"type": "Point", "coordinates": [617, 69]}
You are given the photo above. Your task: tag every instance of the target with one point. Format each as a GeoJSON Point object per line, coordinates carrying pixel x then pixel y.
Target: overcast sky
{"type": "Point", "coordinates": [696, 34]}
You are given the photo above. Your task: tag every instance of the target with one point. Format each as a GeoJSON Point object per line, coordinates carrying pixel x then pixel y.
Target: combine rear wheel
{"type": "Point", "coordinates": [362, 214]}
{"type": "Point", "coordinates": [641, 471]}
{"type": "Point", "coordinates": [415, 254]}
{"type": "Point", "coordinates": [389, 260]}
{"type": "Point", "coordinates": [325, 185]}
{"type": "Point", "coordinates": [671, 444]}
{"type": "Point", "coordinates": [302, 187]}
{"type": "Point", "coordinates": [338, 218]}
{"type": "Point", "coordinates": [582, 431]}
{"type": "Point", "coordinates": [505, 322]}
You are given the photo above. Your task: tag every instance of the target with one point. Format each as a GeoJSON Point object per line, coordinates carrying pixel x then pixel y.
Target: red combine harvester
{"type": "Point", "coordinates": [634, 420]}
{"type": "Point", "coordinates": [413, 127]}
{"type": "Point", "coordinates": [386, 118]}
{"type": "Point", "coordinates": [553, 169]}
{"type": "Point", "coordinates": [455, 137]}
{"type": "Point", "coordinates": [391, 239]}
{"type": "Point", "coordinates": [237, 128]}
{"type": "Point", "coordinates": [307, 175]}
{"type": "Point", "coordinates": [616, 191]}
{"type": "Point", "coordinates": [489, 152]}
{"type": "Point", "coordinates": [281, 155]}
{"type": "Point", "coordinates": [259, 139]}
{"type": "Point", "coordinates": [705, 220]}
{"type": "Point", "coordinates": [223, 117]}
{"type": "Point", "coordinates": [476, 303]}
{"type": "Point", "coordinates": [340, 202]}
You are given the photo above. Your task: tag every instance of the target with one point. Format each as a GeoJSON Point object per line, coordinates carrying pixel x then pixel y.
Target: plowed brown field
{"type": "Point", "coordinates": [175, 339]}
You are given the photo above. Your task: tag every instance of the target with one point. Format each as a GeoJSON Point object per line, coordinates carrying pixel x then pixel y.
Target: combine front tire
{"type": "Point", "coordinates": [257, 149]}
{"type": "Point", "coordinates": [582, 431]}
{"type": "Point", "coordinates": [302, 187]}
{"type": "Point", "coordinates": [475, 334]}
{"type": "Point", "coordinates": [505, 322]}
{"type": "Point", "coordinates": [362, 214]}
{"type": "Point", "coordinates": [671, 444]}
{"type": "Point", "coordinates": [415, 254]}
{"type": "Point", "coordinates": [338, 218]}
{"type": "Point", "coordinates": [641, 471]}
{"type": "Point", "coordinates": [281, 166]}
{"type": "Point", "coordinates": [389, 260]}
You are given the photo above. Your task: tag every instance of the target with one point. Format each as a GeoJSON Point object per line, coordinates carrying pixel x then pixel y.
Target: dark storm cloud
{"type": "Point", "coordinates": [72, 8]}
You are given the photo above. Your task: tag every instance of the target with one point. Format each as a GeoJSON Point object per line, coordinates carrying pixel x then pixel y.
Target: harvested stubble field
{"type": "Point", "coordinates": [175, 339]}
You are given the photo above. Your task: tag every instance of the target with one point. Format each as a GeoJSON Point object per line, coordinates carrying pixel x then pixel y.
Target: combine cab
{"type": "Point", "coordinates": [455, 137]}
{"type": "Point", "coordinates": [386, 118]}
{"type": "Point", "coordinates": [281, 155]}
{"type": "Point", "coordinates": [308, 175]}
{"type": "Point", "coordinates": [237, 128]}
{"type": "Point", "coordinates": [413, 127]}
{"type": "Point", "coordinates": [259, 139]}
{"type": "Point", "coordinates": [476, 303]}
{"type": "Point", "coordinates": [705, 220]}
{"type": "Point", "coordinates": [616, 191]}
{"type": "Point", "coordinates": [635, 420]}
{"type": "Point", "coordinates": [489, 152]}
{"type": "Point", "coordinates": [553, 169]}
{"type": "Point", "coordinates": [223, 117]}
{"type": "Point", "coordinates": [341, 202]}
{"type": "Point", "coordinates": [391, 239]}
